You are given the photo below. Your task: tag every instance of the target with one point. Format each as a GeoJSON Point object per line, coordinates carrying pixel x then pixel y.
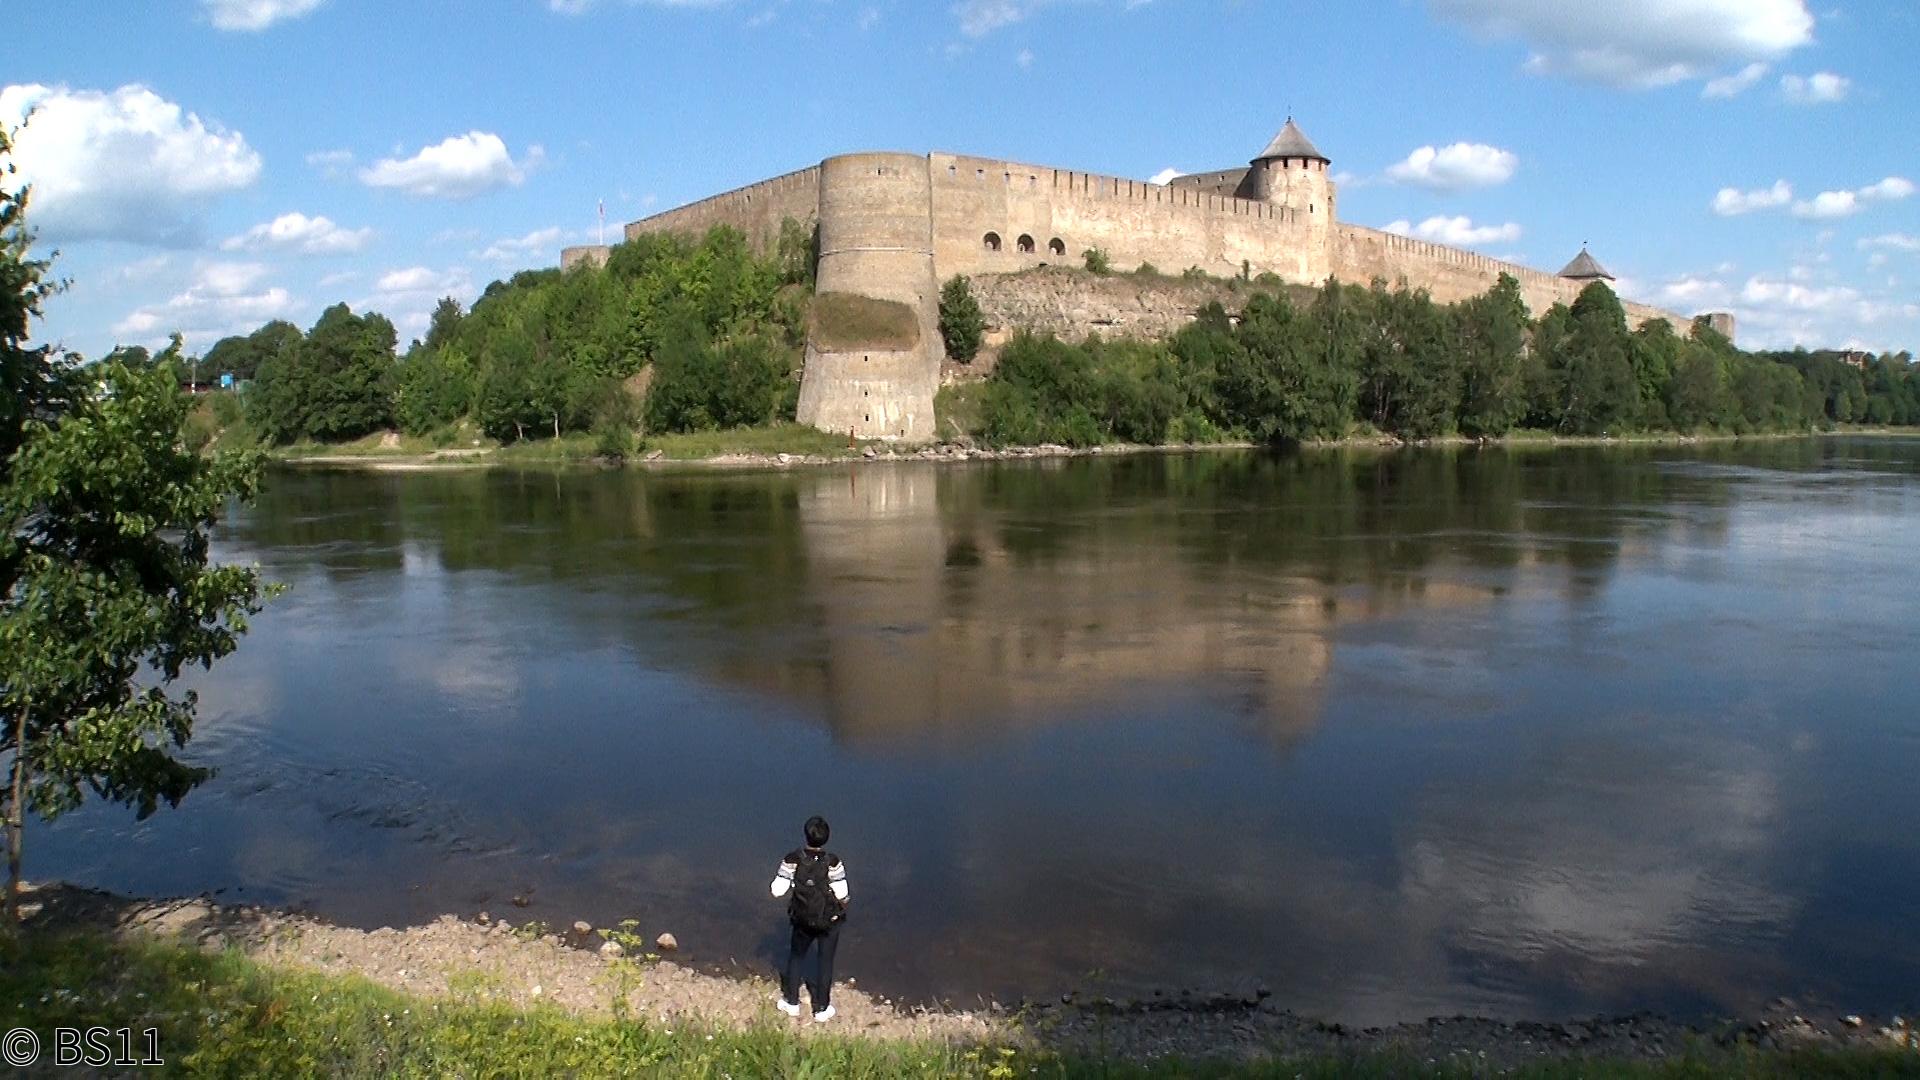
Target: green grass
{"type": "Point", "coordinates": [575, 446]}
{"type": "Point", "coordinates": [841, 321]}
{"type": "Point", "coordinates": [782, 438]}
{"type": "Point", "coordinates": [222, 1014]}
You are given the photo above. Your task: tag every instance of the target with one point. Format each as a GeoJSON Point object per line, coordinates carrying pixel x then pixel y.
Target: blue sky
{"type": "Point", "coordinates": [204, 165]}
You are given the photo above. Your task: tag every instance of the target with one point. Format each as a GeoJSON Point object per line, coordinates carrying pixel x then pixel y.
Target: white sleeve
{"type": "Point", "coordinates": [837, 881]}
{"type": "Point", "coordinates": [783, 880]}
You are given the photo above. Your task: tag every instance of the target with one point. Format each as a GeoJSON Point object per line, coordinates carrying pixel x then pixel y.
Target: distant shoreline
{"type": "Point", "coordinates": [403, 461]}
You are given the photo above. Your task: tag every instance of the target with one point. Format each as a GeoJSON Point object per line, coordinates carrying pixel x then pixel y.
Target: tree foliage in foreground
{"type": "Point", "coordinates": [107, 592]}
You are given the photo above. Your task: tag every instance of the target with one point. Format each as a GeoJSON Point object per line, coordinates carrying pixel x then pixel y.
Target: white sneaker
{"type": "Point", "coordinates": [823, 1015]}
{"type": "Point", "coordinates": [791, 1008]}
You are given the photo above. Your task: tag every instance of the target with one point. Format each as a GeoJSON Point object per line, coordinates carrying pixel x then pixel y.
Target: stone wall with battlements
{"type": "Point", "coordinates": [1360, 255]}
{"type": "Point", "coordinates": [756, 210]}
{"type": "Point", "coordinates": [994, 217]}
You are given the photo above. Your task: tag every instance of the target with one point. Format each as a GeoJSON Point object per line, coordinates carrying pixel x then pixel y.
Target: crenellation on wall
{"type": "Point", "coordinates": [1451, 275]}
{"type": "Point", "coordinates": [757, 210]}
{"type": "Point", "coordinates": [1132, 221]}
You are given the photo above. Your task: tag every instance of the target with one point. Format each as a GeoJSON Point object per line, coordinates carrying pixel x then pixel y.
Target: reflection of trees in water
{"type": "Point", "coordinates": [920, 600]}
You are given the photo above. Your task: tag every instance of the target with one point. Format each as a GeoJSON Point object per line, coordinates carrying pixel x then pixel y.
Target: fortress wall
{"type": "Point", "coordinates": [875, 241]}
{"type": "Point", "coordinates": [584, 255]}
{"type": "Point", "coordinates": [1451, 275]}
{"type": "Point", "coordinates": [1133, 221]}
{"type": "Point", "coordinates": [756, 210]}
{"type": "Point", "coordinates": [1218, 182]}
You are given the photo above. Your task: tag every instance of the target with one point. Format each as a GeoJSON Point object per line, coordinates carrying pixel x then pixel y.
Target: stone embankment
{"type": "Point", "coordinates": [585, 970]}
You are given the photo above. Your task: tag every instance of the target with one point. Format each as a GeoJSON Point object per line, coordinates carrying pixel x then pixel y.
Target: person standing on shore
{"type": "Point", "coordinates": [814, 881]}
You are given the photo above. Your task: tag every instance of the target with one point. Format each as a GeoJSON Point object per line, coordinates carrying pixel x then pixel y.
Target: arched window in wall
{"type": "Point", "coordinates": [991, 241]}
{"type": "Point", "coordinates": [1057, 246]}
{"type": "Point", "coordinates": [1026, 245]}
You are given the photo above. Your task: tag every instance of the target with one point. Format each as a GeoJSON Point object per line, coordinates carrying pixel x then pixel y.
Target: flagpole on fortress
{"type": "Point", "coordinates": [602, 238]}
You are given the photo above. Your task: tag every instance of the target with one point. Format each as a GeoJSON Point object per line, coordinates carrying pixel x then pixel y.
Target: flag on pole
{"type": "Point", "coordinates": [603, 223]}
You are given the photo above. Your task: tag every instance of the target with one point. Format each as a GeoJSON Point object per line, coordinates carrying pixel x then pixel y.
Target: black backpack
{"type": "Point", "coordinates": [812, 906]}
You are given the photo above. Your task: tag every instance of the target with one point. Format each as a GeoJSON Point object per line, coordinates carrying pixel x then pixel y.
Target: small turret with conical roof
{"type": "Point", "coordinates": [1292, 172]}
{"type": "Point", "coordinates": [1291, 143]}
{"type": "Point", "coordinates": [1585, 267]}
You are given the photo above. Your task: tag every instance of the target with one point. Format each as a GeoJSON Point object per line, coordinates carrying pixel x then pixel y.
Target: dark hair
{"type": "Point", "coordinates": [817, 831]}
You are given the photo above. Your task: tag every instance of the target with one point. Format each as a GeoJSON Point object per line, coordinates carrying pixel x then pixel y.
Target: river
{"type": "Point", "coordinates": [1522, 733]}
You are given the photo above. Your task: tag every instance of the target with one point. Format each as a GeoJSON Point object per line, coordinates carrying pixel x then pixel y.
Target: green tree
{"type": "Point", "coordinates": [1410, 382]}
{"type": "Point", "coordinates": [1698, 395]}
{"type": "Point", "coordinates": [797, 252]}
{"type": "Point", "coordinates": [962, 325]}
{"type": "Point", "coordinates": [435, 388]}
{"type": "Point", "coordinates": [1600, 393]}
{"type": "Point", "coordinates": [241, 357]}
{"type": "Point", "coordinates": [106, 589]}
{"type": "Point", "coordinates": [1492, 344]}
{"type": "Point", "coordinates": [1097, 261]}
{"type": "Point", "coordinates": [1285, 382]}
{"type": "Point", "coordinates": [336, 383]}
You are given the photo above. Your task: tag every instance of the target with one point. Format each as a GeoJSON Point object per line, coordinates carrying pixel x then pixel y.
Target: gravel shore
{"type": "Point", "coordinates": [574, 969]}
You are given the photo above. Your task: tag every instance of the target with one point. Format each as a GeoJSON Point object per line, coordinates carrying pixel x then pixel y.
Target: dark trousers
{"type": "Point", "coordinates": [821, 987]}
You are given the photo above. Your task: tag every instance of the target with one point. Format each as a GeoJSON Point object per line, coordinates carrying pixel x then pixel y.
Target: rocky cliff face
{"type": "Point", "coordinates": [1071, 304]}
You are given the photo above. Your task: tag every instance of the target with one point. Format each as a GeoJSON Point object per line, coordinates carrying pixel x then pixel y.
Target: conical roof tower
{"type": "Point", "coordinates": [1585, 267]}
{"type": "Point", "coordinates": [1291, 143]}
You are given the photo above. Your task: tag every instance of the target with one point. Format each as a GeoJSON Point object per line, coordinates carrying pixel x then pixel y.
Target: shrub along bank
{"type": "Point", "coordinates": [1396, 362]}
{"type": "Point", "coordinates": [714, 334]}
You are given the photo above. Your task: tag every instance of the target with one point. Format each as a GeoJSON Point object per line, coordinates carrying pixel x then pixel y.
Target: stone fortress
{"type": "Point", "coordinates": [893, 226]}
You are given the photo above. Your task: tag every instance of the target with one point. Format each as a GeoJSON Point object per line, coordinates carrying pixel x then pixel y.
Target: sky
{"type": "Point", "coordinates": [202, 166]}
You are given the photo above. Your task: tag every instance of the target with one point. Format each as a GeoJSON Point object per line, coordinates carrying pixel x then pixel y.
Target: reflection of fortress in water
{"type": "Point", "coordinates": [941, 614]}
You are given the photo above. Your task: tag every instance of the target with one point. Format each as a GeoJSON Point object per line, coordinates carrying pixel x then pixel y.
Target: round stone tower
{"type": "Point", "coordinates": [876, 243]}
{"type": "Point", "coordinates": [1292, 173]}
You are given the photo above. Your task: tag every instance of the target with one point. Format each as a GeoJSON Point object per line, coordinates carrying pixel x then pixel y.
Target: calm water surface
{"type": "Point", "coordinates": [1517, 733]}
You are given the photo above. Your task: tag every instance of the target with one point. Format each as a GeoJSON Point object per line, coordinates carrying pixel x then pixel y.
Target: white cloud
{"type": "Point", "coordinates": [1892, 242]}
{"type": "Point", "coordinates": [459, 167]}
{"type": "Point", "coordinates": [579, 7]}
{"type": "Point", "coordinates": [1024, 58]}
{"type": "Point", "coordinates": [225, 297]}
{"type": "Point", "coordinates": [1640, 43]}
{"type": "Point", "coordinates": [1828, 204]}
{"type": "Point", "coordinates": [1165, 176]}
{"type": "Point", "coordinates": [541, 243]}
{"type": "Point", "coordinates": [1893, 187]}
{"type": "Point", "coordinates": [1732, 201]}
{"type": "Point", "coordinates": [1695, 294]}
{"type": "Point", "coordinates": [1738, 83]}
{"type": "Point", "coordinates": [330, 163]}
{"type": "Point", "coordinates": [1796, 307]}
{"type": "Point", "coordinates": [296, 232]}
{"type": "Point", "coordinates": [1823, 88]}
{"type": "Point", "coordinates": [978, 18]}
{"type": "Point", "coordinates": [127, 165]}
{"type": "Point", "coordinates": [981, 17]}
{"type": "Point", "coordinates": [255, 14]}
{"type": "Point", "coordinates": [1457, 167]}
{"type": "Point", "coordinates": [411, 279]}
{"type": "Point", "coordinates": [1836, 204]}
{"type": "Point", "coordinates": [1456, 231]}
